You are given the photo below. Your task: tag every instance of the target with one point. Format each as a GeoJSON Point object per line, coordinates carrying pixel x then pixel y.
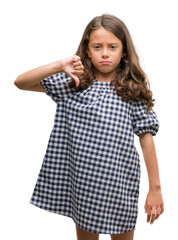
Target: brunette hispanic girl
{"type": "Point", "coordinates": [91, 168]}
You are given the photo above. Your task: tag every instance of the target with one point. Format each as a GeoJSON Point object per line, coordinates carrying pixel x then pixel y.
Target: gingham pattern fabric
{"type": "Point", "coordinates": [91, 168]}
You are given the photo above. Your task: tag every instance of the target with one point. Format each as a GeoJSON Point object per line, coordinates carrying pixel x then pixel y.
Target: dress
{"type": "Point", "coordinates": [91, 168]}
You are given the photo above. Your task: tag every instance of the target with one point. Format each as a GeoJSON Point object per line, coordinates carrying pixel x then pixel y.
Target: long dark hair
{"type": "Point", "coordinates": [130, 82]}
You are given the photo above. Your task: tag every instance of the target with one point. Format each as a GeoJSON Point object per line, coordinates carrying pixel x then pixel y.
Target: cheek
{"type": "Point", "coordinates": [116, 59]}
{"type": "Point", "coordinates": [94, 58]}
{"type": "Point", "coordinates": [119, 58]}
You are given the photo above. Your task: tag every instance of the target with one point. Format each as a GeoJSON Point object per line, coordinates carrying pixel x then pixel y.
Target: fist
{"type": "Point", "coordinates": [73, 67]}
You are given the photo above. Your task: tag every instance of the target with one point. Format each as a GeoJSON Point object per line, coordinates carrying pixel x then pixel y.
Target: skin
{"type": "Point", "coordinates": [85, 235]}
{"type": "Point", "coordinates": [154, 205]}
{"type": "Point", "coordinates": [30, 80]}
{"type": "Point", "coordinates": [103, 46]}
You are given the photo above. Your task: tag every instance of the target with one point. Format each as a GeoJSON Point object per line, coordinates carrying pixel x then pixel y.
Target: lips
{"type": "Point", "coordinates": [105, 62]}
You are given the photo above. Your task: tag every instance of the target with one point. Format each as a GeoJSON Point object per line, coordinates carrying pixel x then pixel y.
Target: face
{"type": "Point", "coordinates": [105, 51]}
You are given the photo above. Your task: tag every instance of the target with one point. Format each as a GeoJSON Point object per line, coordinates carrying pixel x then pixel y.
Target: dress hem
{"type": "Point", "coordinates": [70, 216]}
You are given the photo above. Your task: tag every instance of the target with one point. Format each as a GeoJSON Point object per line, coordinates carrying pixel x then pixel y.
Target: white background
{"type": "Point", "coordinates": [34, 33]}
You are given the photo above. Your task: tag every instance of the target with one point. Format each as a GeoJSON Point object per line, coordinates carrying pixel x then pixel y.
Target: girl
{"type": "Point", "coordinates": [91, 169]}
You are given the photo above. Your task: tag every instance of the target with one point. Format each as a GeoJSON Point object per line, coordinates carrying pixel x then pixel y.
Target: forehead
{"type": "Point", "coordinates": [103, 35]}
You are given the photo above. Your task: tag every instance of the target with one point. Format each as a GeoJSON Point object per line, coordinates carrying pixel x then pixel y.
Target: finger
{"type": "Point", "coordinates": [78, 63]}
{"type": "Point", "coordinates": [77, 72]}
{"type": "Point", "coordinates": [148, 214]}
{"type": "Point", "coordinates": [79, 68]}
{"type": "Point", "coordinates": [158, 212]}
{"type": "Point", "coordinates": [162, 208]}
{"type": "Point", "coordinates": [153, 215]}
{"type": "Point", "coordinates": [75, 58]}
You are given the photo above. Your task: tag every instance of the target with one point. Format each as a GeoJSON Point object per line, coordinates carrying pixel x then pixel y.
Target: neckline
{"type": "Point", "coordinates": [100, 82]}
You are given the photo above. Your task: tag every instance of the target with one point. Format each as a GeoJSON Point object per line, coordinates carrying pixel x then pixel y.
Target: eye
{"type": "Point", "coordinates": [113, 46]}
{"type": "Point", "coordinates": [97, 47]}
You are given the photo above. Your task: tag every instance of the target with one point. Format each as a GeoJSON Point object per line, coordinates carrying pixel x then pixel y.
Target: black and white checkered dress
{"type": "Point", "coordinates": [91, 168]}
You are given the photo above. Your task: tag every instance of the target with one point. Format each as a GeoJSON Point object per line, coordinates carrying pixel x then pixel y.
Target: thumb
{"type": "Point", "coordinates": [76, 79]}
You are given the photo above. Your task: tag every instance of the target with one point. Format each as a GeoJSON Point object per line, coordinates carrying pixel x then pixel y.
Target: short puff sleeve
{"type": "Point", "coordinates": [143, 122]}
{"type": "Point", "coordinates": [56, 86]}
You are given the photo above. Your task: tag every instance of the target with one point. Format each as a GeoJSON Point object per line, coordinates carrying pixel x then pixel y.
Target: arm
{"type": "Point", "coordinates": [31, 80]}
{"type": "Point", "coordinates": [154, 201]}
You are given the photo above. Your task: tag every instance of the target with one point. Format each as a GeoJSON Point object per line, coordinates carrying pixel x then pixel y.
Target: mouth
{"type": "Point", "coordinates": [105, 62]}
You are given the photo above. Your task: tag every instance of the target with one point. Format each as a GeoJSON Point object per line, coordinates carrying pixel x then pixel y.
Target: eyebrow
{"type": "Point", "coordinates": [102, 43]}
{"type": "Point", "coordinates": [114, 43]}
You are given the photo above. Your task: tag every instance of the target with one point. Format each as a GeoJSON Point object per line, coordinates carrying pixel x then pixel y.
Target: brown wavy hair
{"type": "Point", "coordinates": [130, 82]}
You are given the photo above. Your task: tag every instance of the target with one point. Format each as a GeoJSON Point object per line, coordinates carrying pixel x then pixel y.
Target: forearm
{"type": "Point", "coordinates": [149, 154]}
{"type": "Point", "coordinates": [34, 76]}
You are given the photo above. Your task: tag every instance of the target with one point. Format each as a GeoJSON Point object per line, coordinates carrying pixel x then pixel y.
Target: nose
{"type": "Point", "coordinates": [105, 53]}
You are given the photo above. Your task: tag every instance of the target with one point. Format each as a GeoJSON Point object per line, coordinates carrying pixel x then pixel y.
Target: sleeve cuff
{"type": "Point", "coordinates": [150, 130]}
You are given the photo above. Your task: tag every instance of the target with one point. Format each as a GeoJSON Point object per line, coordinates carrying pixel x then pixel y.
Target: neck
{"type": "Point", "coordinates": [105, 77]}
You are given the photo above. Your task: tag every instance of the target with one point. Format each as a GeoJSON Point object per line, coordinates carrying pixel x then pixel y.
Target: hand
{"type": "Point", "coordinates": [73, 67]}
{"type": "Point", "coordinates": [154, 205]}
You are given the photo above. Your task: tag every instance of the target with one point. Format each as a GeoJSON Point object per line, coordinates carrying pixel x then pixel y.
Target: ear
{"type": "Point", "coordinates": [88, 52]}
{"type": "Point", "coordinates": [123, 54]}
